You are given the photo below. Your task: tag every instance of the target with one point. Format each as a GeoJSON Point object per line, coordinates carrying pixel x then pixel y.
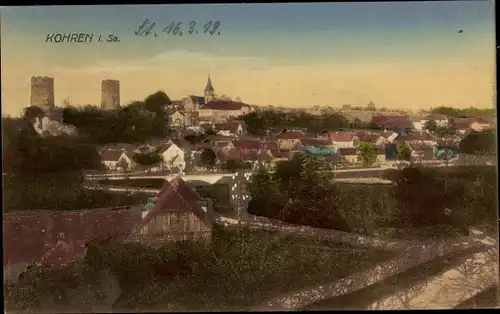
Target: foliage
{"type": "Point", "coordinates": [27, 152]}
{"type": "Point", "coordinates": [137, 122]}
{"type": "Point", "coordinates": [468, 112]}
{"type": "Point", "coordinates": [32, 112]}
{"type": "Point", "coordinates": [367, 153]}
{"type": "Point", "coordinates": [404, 152]}
{"type": "Point", "coordinates": [208, 158]}
{"type": "Point", "coordinates": [57, 191]}
{"type": "Point", "coordinates": [230, 275]}
{"type": "Point", "coordinates": [147, 159]}
{"type": "Point", "coordinates": [259, 122]}
{"type": "Point", "coordinates": [233, 165]}
{"type": "Point", "coordinates": [479, 143]}
{"type": "Point", "coordinates": [430, 126]}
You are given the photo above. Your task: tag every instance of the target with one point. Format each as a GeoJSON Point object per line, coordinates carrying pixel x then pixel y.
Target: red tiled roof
{"type": "Point", "coordinates": [223, 105]}
{"type": "Point", "coordinates": [402, 122]}
{"type": "Point", "coordinates": [269, 145]}
{"type": "Point", "coordinates": [177, 196]}
{"type": "Point", "coordinates": [315, 142]}
{"type": "Point", "coordinates": [248, 154]}
{"type": "Point", "coordinates": [340, 136]}
{"type": "Point", "coordinates": [33, 236]}
{"type": "Point", "coordinates": [291, 135]}
{"type": "Point", "coordinates": [248, 144]}
{"type": "Point", "coordinates": [462, 123]}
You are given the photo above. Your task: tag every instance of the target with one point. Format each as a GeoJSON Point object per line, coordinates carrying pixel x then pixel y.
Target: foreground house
{"type": "Point", "coordinates": [179, 214]}
{"type": "Point", "coordinates": [59, 238]}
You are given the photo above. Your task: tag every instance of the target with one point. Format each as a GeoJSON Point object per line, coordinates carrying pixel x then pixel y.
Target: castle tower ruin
{"type": "Point", "coordinates": [42, 92]}
{"type": "Point", "coordinates": [110, 98]}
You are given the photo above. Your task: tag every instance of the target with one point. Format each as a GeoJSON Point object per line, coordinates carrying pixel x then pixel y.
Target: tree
{"type": "Point", "coordinates": [478, 143]}
{"type": "Point", "coordinates": [208, 158]}
{"type": "Point", "coordinates": [225, 97]}
{"type": "Point", "coordinates": [367, 153]}
{"type": "Point", "coordinates": [148, 159]}
{"type": "Point", "coordinates": [32, 112]}
{"type": "Point", "coordinates": [233, 165]}
{"type": "Point", "coordinates": [430, 126]}
{"type": "Point", "coordinates": [404, 152]}
{"type": "Point", "coordinates": [238, 99]}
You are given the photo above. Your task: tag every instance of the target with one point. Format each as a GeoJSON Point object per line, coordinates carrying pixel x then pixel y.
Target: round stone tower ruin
{"type": "Point", "coordinates": [42, 93]}
{"type": "Point", "coordinates": [110, 98]}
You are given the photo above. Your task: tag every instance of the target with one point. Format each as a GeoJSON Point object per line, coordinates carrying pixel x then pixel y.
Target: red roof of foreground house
{"type": "Point", "coordinates": [177, 196]}
{"type": "Point", "coordinates": [58, 238]}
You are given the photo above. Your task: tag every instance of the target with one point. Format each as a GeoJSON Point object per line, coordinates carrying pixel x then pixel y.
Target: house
{"type": "Point", "coordinates": [381, 157]}
{"type": "Point", "coordinates": [440, 120]}
{"type": "Point", "coordinates": [420, 151]}
{"type": "Point", "coordinates": [348, 155]}
{"type": "Point", "coordinates": [117, 159]}
{"type": "Point", "coordinates": [173, 156]}
{"type": "Point", "coordinates": [480, 125]}
{"type": "Point", "coordinates": [417, 137]}
{"type": "Point", "coordinates": [342, 139]}
{"type": "Point", "coordinates": [462, 125]}
{"type": "Point", "coordinates": [371, 137]}
{"type": "Point", "coordinates": [179, 214]}
{"type": "Point", "coordinates": [178, 119]}
{"type": "Point", "coordinates": [315, 142]}
{"type": "Point", "coordinates": [233, 128]}
{"type": "Point", "coordinates": [247, 144]}
{"type": "Point", "coordinates": [290, 139]}
{"type": "Point", "coordinates": [397, 124]}
{"type": "Point", "coordinates": [222, 110]}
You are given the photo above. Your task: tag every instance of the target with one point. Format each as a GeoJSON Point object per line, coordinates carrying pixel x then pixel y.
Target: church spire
{"type": "Point", "coordinates": [209, 88]}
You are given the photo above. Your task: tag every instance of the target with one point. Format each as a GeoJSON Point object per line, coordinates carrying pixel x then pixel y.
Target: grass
{"type": "Point", "coordinates": [243, 272]}
{"type": "Point", "coordinates": [414, 278]}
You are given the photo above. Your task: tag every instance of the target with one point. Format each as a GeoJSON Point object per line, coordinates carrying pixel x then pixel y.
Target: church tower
{"type": "Point", "coordinates": [209, 91]}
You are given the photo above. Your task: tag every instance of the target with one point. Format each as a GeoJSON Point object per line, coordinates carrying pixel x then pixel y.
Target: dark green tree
{"type": "Point", "coordinates": [208, 158]}
{"type": "Point", "coordinates": [367, 153]}
{"type": "Point", "coordinates": [148, 159]}
{"type": "Point", "coordinates": [404, 152]}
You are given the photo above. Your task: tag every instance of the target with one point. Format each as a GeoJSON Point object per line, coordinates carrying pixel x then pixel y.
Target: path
{"type": "Point", "coordinates": [412, 256]}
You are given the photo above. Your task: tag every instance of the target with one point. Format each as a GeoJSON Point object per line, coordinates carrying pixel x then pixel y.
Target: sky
{"type": "Point", "coordinates": [398, 55]}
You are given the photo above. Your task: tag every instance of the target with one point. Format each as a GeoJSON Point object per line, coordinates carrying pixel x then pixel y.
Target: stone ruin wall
{"type": "Point", "coordinates": [110, 98]}
{"type": "Point", "coordinates": [42, 92]}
